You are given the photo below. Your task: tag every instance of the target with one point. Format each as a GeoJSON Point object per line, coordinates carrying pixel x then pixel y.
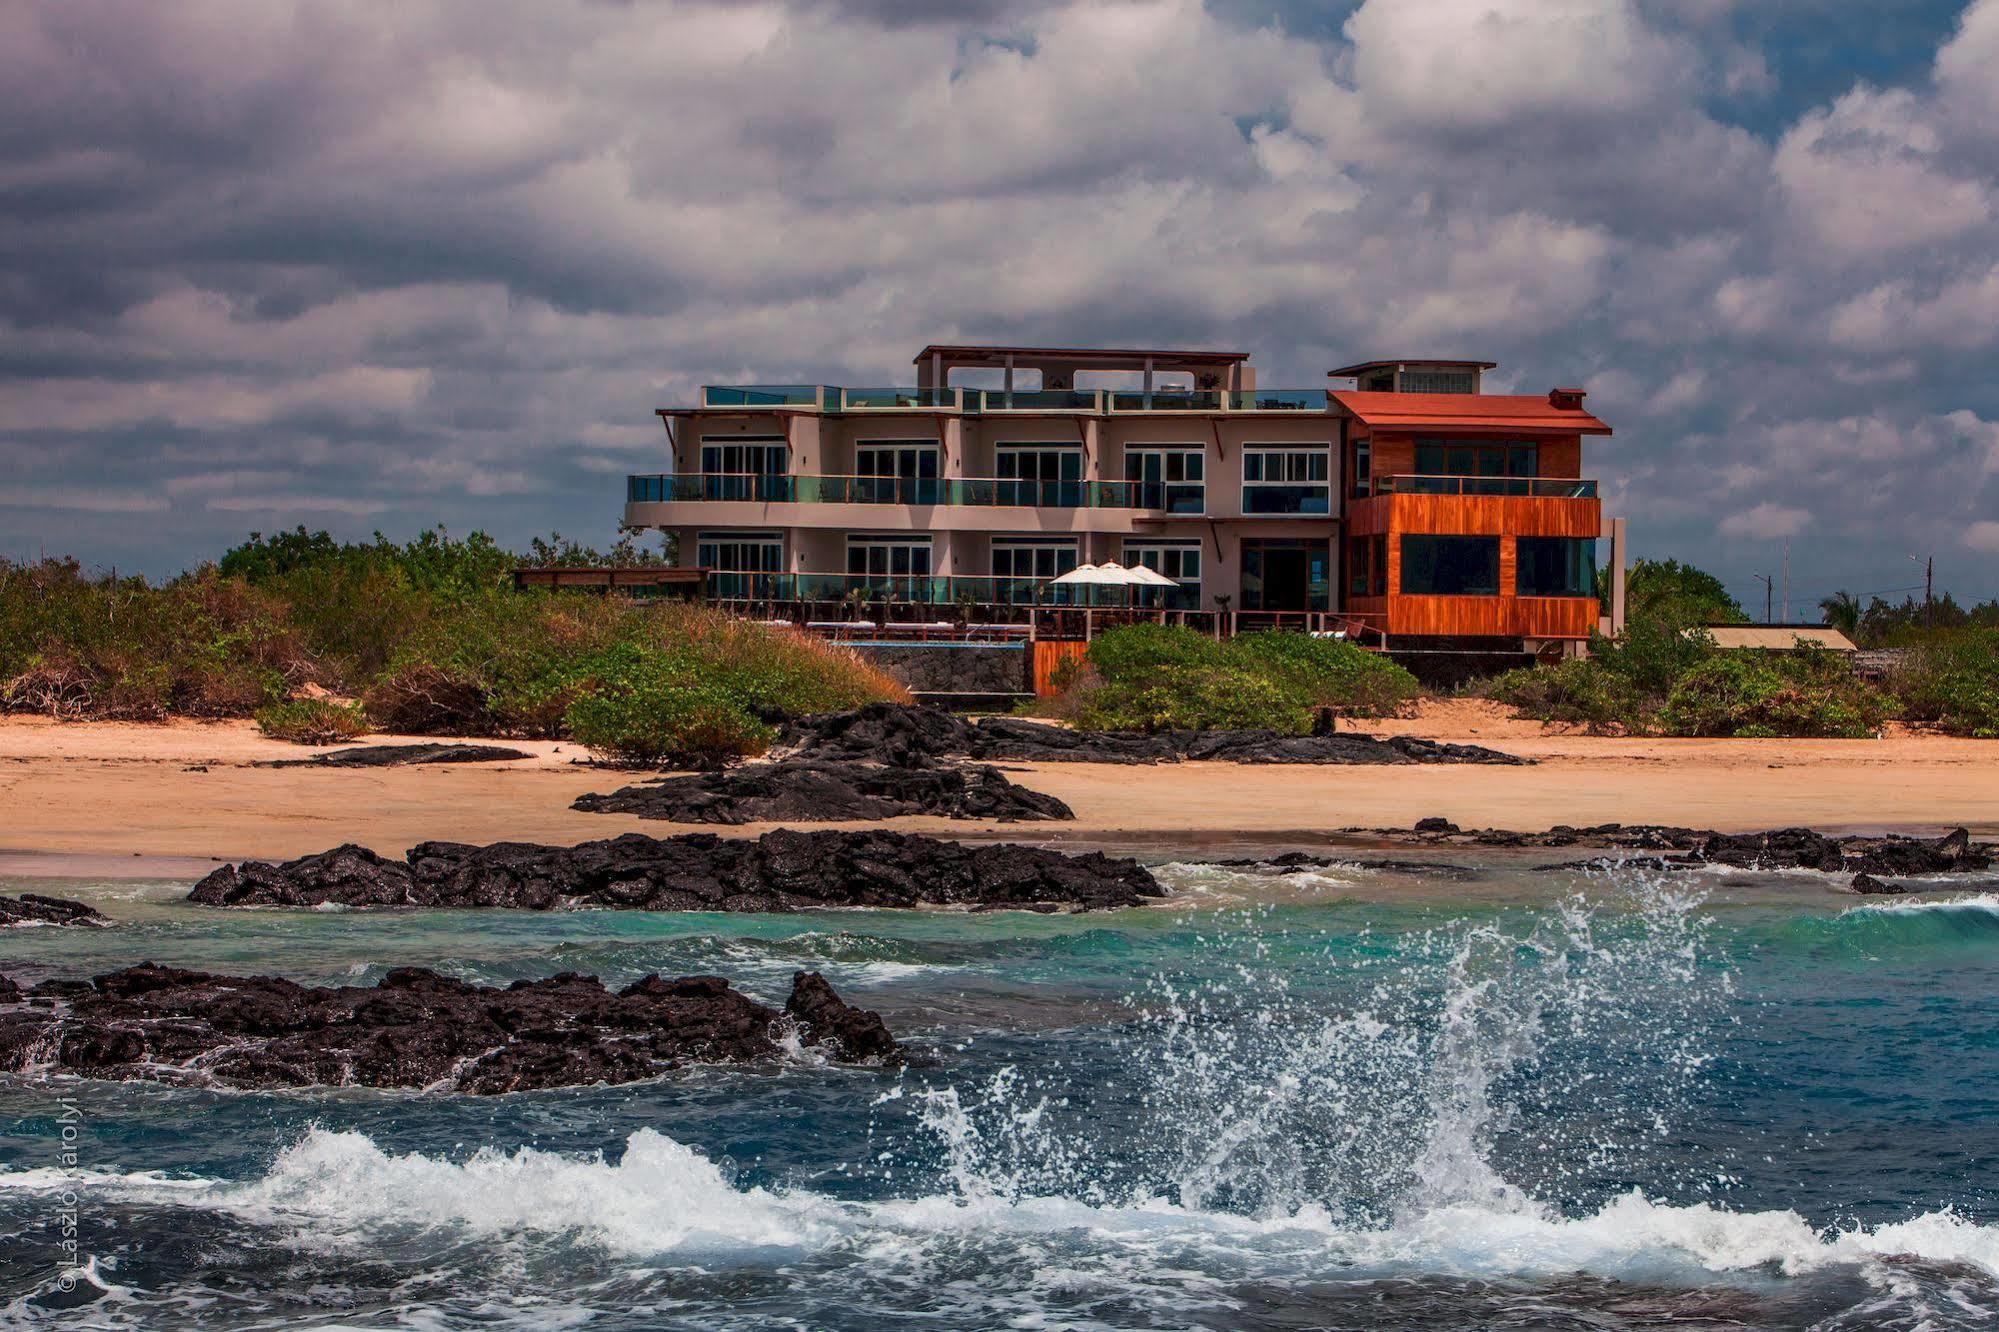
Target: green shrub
{"type": "Point", "coordinates": [655, 710]}
{"type": "Point", "coordinates": [1578, 691]}
{"type": "Point", "coordinates": [312, 721]}
{"type": "Point", "coordinates": [1808, 692]}
{"type": "Point", "coordinates": [1952, 682]}
{"type": "Point", "coordinates": [1156, 677]}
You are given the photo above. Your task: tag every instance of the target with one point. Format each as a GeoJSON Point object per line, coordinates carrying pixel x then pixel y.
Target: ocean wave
{"type": "Point", "coordinates": [663, 1200]}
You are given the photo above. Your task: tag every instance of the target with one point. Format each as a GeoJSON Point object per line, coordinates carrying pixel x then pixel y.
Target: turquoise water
{"type": "Point", "coordinates": [1351, 1098]}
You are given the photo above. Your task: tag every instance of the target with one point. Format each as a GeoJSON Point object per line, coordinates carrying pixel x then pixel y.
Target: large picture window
{"type": "Point", "coordinates": [1286, 480]}
{"type": "Point", "coordinates": [895, 471]}
{"type": "Point", "coordinates": [1556, 566]}
{"type": "Point", "coordinates": [1178, 560]}
{"type": "Point", "coordinates": [1476, 457]}
{"type": "Point", "coordinates": [743, 565]}
{"type": "Point", "coordinates": [1172, 479]}
{"type": "Point", "coordinates": [742, 468]}
{"type": "Point", "coordinates": [1039, 476]}
{"type": "Point", "coordinates": [1022, 567]}
{"type": "Point", "coordinates": [1450, 566]}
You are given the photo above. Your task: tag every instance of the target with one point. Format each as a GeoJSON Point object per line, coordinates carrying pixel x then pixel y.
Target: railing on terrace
{"type": "Point", "coordinates": [936, 590]}
{"type": "Point", "coordinates": [765, 395]}
{"type": "Point", "coordinates": [830, 398]}
{"type": "Point", "coordinates": [1277, 400]}
{"type": "Point", "coordinates": [891, 399]}
{"type": "Point", "coordinates": [1037, 400]}
{"type": "Point", "coordinates": [784, 488]}
{"type": "Point", "coordinates": [1166, 400]}
{"type": "Point", "coordinates": [1535, 487]}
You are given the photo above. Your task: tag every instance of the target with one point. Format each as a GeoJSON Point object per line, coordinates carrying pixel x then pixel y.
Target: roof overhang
{"type": "Point", "coordinates": [1475, 413]}
{"type": "Point", "coordinates": [1362, 367]}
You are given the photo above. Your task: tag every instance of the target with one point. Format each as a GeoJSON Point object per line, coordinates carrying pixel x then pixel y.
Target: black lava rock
{"type": "Point", "coordinates": [784, 870]}
{"type": "Point", "coordinates": [813, 791]}
{"type": "Point", "coordinates": [415, 1029]}
{"type": "Point", "coordinates": [395, 756]}
{"type": "Point", "coordinates": [35, 909]}
{"type": "Point", "coordinates": [897, 735]}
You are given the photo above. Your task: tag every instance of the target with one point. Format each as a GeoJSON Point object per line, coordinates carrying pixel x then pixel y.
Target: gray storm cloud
{"type": "Point", "coordinates": [392, 265]}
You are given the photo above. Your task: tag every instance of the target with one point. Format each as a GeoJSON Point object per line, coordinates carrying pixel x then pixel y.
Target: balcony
{"type": "Point", "coordinates": [1166, 400]}
{"type": "Point", "coordinates": [1037, 400]}
{"type": "Point", "coordinates": [980, 492]}
{"type": "Point", "coordinates": [827, 398]}
{"type": "Point", "coordinates": [934, 590]}
{"type": "Point", "coordinates": [1531, 487]}
{"type": "Point", "coordinates": [898, 399]}
{"type": "Point", "coordinates": [1278, 400]}
{"type": "Point", "coordinates": [765, 395]}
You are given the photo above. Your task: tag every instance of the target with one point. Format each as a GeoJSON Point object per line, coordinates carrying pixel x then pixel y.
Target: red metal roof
{"type": "Point", "coordinates": [1467, 411]}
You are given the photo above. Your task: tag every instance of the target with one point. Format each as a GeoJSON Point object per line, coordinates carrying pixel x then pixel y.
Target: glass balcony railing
{"type": "Point", "coordinates": [1309, 500]}
{"type": "Point", "coordinates": [993, 492]}
{"type": "Point", "coordinates": [1277, 400]}
{"type": "Point", "coordinates": [1039, 400]}
{"type": "Point", "coordinates": [761, 395]}
{"type": "Point", "coordinates": [875, 590]}
{"type": "Point", "coordinates": [1532, 487]}
{"type": "Point", "coordinates": [1166, 400]}
{"type": "Point", "coordinates": [890, 399]}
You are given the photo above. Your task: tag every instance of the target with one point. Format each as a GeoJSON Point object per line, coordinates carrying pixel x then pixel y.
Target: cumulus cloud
{"type": "Point", "coordinates": [438, 261]}
{"type": "Point", "coordinates": [1767, 520]}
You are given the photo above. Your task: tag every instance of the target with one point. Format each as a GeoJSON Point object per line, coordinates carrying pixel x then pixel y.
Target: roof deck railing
{"type": "Point", "coordinates": [1534, 487]}
{"type": "Point", "coordinates": [954, 491]}
{"type": "Point", "coordinates": [833, 399]}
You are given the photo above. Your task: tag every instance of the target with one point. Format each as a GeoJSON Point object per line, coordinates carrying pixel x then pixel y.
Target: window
{"type": "Point", "coordinates": [1367, 567]}
{"type": "Point", "coordinates": [1472, 457]}
{"type": "Point", "coordinates": [1363, 466]}
{"type": "Point", "coordinates": [1173, 479]}
{"type": "Point", "coordinates": [1022, 566]}
{"type": "Point", "coordinates": [895, 471]}
{"type": "Point", "coordinates": [743, 565]}
{"type": "Point", "coordinates": [1556, 566]}
{"type": "Point", "coordinates": [896, 567]}
{"type": "Point", "coordinates": [1439, 381]}
{"type": "Point", "coordinates": [743, 468]}
{"type": "Point", "coordinates": [1286, 480]}
{"type": "Point", "coordinates": [1032, 475]}
{"type": "Point", "coordinates": [1178, 560]}
{"type": "Point", "coordinates": [1286, 574]}
{"type": "Point", "coordinates": [1450, 566]}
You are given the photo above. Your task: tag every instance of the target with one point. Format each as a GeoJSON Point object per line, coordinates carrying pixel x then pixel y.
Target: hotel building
{"type": "Point", "coordinates": [1413, 509]}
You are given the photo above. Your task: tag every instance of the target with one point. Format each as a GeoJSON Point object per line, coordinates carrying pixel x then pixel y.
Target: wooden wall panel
{"type": "Point", "coordinates": [1492, 617]}
{"type": "Point", "coordinates": [1048, 656]}
{"type": "Point", "coordinates": [1495, 515]}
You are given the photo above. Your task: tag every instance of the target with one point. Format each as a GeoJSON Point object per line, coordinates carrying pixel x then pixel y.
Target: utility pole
{"type": "Point", "coordinates": [1767, 586]}
{"type": "Point", "coordinates": [1929, 592]}
{"type": "Point", "coordinates": [1787, 582]}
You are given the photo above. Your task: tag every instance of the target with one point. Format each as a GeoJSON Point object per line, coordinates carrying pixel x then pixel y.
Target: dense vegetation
{"type": "Point", "coordinates": [1152, 677]}
{"type": "Point", "coordinates": [1667, 676]}
{"type": "Point", "coordinates": [426, 635]}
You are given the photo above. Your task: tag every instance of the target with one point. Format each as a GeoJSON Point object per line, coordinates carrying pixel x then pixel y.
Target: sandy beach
{"type": "Point", "coordinates": [91, 797]}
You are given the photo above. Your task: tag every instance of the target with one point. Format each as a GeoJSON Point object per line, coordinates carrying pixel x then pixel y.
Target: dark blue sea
{"type": "Point", "coordinates": [1490, 1098]}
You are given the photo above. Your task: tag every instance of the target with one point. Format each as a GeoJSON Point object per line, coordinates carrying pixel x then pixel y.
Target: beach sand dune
{"type": "Point", "coordinates": [111, 791]}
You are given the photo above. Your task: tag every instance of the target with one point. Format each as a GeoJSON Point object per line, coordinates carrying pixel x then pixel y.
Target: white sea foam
{"type": "Point", "coordinates": [1982, 904]}
{"type": "Point", "coordinates": [663, 1200]}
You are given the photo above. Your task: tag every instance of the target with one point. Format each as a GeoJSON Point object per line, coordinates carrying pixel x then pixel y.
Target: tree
{"type": "Point", "coordinates": [1842, 611]}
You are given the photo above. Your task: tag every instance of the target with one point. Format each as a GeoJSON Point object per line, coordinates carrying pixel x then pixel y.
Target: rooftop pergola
{"type": "Point", "coordinates": [1058, 365]}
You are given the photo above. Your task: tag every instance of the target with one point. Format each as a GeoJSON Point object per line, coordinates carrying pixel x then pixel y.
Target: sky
{"type": "Point", "coordinates": [366, 266]}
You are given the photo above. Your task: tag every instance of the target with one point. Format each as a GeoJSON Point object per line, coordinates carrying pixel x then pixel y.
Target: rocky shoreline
{"type": "Point", "coordinates": [397, 756]}
{"type": "Point", "coordinates": [33, 909]}
{"type": "Point", "coordinates": [902, 736]}
{"type": "Point", "coordinates": [784, 870]}
{"type": "Point", "coordinates": [1692, 848]}
{"type": "Point", "coordinates": [416, 1029]}
{"type": "Point", "coordinates": [805, 790]}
